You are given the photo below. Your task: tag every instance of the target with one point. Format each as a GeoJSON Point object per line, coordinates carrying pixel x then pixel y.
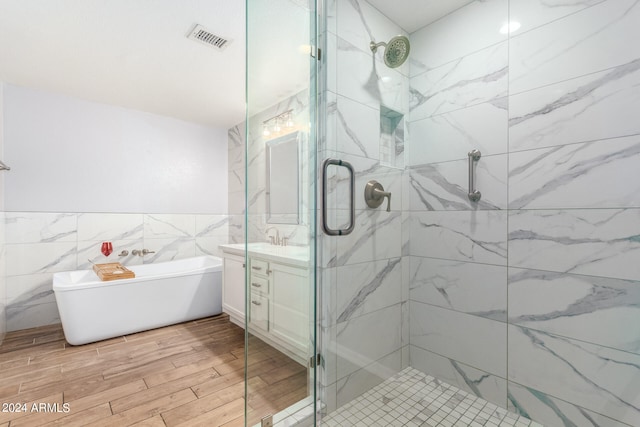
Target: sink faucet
{"type": "Point", "coordinates": [275, 240]}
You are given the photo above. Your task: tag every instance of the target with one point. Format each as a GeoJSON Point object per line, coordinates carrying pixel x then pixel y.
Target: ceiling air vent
{"type": "Point", "coordinates": [201, 35]}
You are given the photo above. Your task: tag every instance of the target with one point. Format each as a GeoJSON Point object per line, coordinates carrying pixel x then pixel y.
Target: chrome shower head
{"type": "Point", "coordinates": [395, 52]}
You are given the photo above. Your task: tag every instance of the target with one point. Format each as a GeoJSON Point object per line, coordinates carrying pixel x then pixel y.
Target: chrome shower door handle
{"type": "Point", "coordinates": [474, 156]}
{"type": "Point", "coordinates": [352, 200]}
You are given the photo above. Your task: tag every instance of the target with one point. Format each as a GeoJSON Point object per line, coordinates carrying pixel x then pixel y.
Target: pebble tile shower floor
{"type": "Point", "coordinates": [414, 399]}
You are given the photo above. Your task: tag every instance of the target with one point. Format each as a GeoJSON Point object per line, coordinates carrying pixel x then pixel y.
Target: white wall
{"type": "Point", "coordinates": [69, 155]}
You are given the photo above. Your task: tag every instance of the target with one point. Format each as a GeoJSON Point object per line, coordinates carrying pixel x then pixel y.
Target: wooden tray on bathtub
{"type": "Point", "coordinates": [112, 271]}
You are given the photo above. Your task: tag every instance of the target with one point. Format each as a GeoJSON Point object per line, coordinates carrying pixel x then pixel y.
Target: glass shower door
{"type": "Point", "coordinates": [279, 221]}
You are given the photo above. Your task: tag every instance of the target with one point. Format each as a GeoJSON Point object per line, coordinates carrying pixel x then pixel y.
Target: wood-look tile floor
{"type": "Point", "coordinates": [190, 374]}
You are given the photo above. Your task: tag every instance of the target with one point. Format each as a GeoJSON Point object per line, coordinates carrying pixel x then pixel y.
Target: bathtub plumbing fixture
{"type": "Point", "coordinates": [124, 253]}
{"type": "Point", "coordinates": [374, 195]}
{"type": "Point", "coordinates": [395, 52]}
{"type": "Point", "coordinates": [142, 252]}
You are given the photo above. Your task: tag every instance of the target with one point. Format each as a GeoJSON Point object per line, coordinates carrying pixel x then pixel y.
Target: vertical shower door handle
{"type": "Point", "coordinates": [352, 200]}
{"type": "Point", "coordinates": [474, 156]}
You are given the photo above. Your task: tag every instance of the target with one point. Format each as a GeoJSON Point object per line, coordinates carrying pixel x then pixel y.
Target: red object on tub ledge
{"type": "Point", "coordinates": [107, 248]}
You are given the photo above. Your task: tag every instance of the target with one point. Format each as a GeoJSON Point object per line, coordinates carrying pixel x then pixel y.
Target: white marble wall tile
{"type": "Point", "coordinates": [236, 180]}
{"type": "Point", "coordinates": [551, 411]}
{"type": "Point", "coordinates": [358, 339]}
{"type": "Point", "coordinates": [445, 186]}
{"type": "Point", "coordinates": [587, 375]}
{"type": "Point", "coordinates": [236, 229]}
{"type": "Point", "coordinates": [458, 34]}
{"type": "Point", "coordinates": [597, 106]}
{"type": "Point", "coordinates": [158, 226]}
{"type": "Point", "coordinates": [328, 370]}
{"type": "Point", "coordinates": [489, 387]}
{"type": "Point", "coordinates": [358, 128]}
{"type": "Point", "coordinates": [367, 287]}
{"type": "Point", "coordinates": [31, 289]}
{"type": "Point", "coordinates": [36, 258]}
{"type": "Point", "coordinates": [211, 225]}
{"type": "Point", "coordinates": [474, 79]}
{"type": "Point", "coordinates": [331, 63]}
{"type": "Point", "coordinates": [477, 236]}
{"type": "Point", "coordinates": [210, 245]}
{"type": "Point", "coordinates": [452, 135]}
{"type": "Point", "coordinates": [359, 23]}
{"type": "Point", "coordinates": [236, 147]}
{"type": "Point", "coordinates": [565, 48]}
{"type": "Point", "coordinates": [91, 250]}
{"type": "Point", "coordinates": [599, 242]}
{"type": "Point", "coordinates": [31, 316]}
{"type": "Point", "coordinates": [376, 236]}
{"type": "Point", "coordinates": [358, 382]}
{"type": "Point", "coordinates": [587, 308]}
{"type": "Point", "coordinates": [601, 174]}
{"type": "Point", "coordinates": [35, 227]}
{"type": "Point", "coordinates": [477, 289]}
{"type": "Point", "coordinates": [534, 13]}
{"type": "Point", "coordinates": [369, 81]}
{"type": "Point", "coordinates": [169, 249]}
{"type": "Point", "coordinates": [236, 202]}
{"type": "Point", "coordinates": [473, 340]}
{"type": "Point", "coordinates": [108, 227]}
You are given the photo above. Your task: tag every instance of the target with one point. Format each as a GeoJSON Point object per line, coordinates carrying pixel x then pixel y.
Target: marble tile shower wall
{"type": "Point", "coordinates": [257, 221]}
{"type": "Point", "coordinates": [40, 244]}
{"type": "Point", "coordinates": [363, 334]}
{"type": "Point", "coordinates": [531, 298]}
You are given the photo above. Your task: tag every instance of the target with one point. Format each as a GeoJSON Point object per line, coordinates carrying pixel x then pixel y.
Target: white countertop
{"type": "Point", "coordinates": [293, 255]}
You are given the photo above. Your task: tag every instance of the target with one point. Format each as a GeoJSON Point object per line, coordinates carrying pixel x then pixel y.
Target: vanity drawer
{"type": "Point", "coordinates": [259, 267]}
{"type": "Point", "coordinates": [259, 312]}
{"type": "Point", "coordinates": [259, 284]}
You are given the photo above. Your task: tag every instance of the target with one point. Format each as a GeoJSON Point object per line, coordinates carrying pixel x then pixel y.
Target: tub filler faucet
{"type": "Point", "coordinates": [142, 252]}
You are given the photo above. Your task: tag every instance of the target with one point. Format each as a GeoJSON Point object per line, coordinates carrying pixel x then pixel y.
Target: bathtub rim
{"type": "Point", "coordinates": [61, 282]}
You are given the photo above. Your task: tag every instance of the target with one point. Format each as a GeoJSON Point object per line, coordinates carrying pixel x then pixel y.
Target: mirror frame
{"type": "Point", "coordinates": [283, 218]}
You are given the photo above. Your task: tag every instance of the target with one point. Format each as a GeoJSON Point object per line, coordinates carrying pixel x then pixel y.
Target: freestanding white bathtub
{"type": "Point", "coordinates": [161, 294]}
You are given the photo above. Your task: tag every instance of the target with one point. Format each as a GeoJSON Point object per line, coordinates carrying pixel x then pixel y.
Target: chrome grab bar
{"type": "Point", "coordinates": [474, 156]}
{"type": "Point", "coordinates": [352, 205]}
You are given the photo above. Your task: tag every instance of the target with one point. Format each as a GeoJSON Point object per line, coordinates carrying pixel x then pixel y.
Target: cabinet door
{"type": "Point", "coordinates": [233, 288]}
{"type": "Point", "coordinates": [290, 305]}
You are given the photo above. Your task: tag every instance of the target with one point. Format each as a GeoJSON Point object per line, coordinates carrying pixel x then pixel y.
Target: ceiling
{"type": "Point", "coordinates": [135, 53]}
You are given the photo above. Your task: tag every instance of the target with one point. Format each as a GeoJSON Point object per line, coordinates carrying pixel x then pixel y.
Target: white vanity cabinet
{"type": "Point", "coordinates": [233, 299]}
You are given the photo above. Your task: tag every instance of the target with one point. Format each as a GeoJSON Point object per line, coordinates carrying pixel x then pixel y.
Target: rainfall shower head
{"type": "Point", "coordinates": [395, 52]}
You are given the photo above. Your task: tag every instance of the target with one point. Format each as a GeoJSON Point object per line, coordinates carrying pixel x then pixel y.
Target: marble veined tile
{"type": "Point", "coordinates": [157, 226]}
{"type": "Point", "coordinates": [212, 225]}
{"type": "Point", "coordinates": [472, 340]}
{"type": "Point", "coordinates": [36, 258]}
{"type": "Point", "coordinates": [481, 383]}
{"type": "Point", "coordinates": [369, 81]}
{"type": "Point", "coordinates": [89, 251]}
{"type": "Point", "coordinates": [534, 13]}
{"type": "Point", "coordinates": [31, 289]}
{"type": "Point", "coordinates": [587, 308]}
{"type": "Point", "coordinates": [474, 79]}
{"type": "Point", "coordinates": [591, 376]}
{"type": "Point", "coordinates": [31, 316]}
{"type": "Point", "coordinates": [597, 106]}
{"type": "Point", "coordinates": [35, 227]}
{"type": "Point", "coordinates": [450, 136]}
{"type": "Point", "coordinates": [567, 48]}
{"type": "Point", "coordinates": [551, 411]}
{"type": "Point", "coordinates": [600, 174]}
{"type": "Point", "coordinates": [108, 226]}
{"type": "Point", "coordinates": [360, 23]}
{"type": "Point", "coordinates": [376, 236]}
{"type": "Point", "coordinates": [368, 286]}
{"type": "Point", "coordinates": [467, 30]}
{"type": "Point", "coordinates": [445, 186]}
{"type": "Point", "coordinates": [477, 236]}
{"type": "Point", "coordinates": [358, 339]}
{"type": "Point", "coordinates": [358, 128]}
{"type": "Point", "coordinates": [478, 289]}
{"type": "Point", "coordinates": [169, 249]}
{"type": "Point", "coordinates": [599, 242]}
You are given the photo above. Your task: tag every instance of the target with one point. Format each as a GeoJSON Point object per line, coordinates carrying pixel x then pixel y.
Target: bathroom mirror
{"type": "Point", "coordinates": [283, 179]}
